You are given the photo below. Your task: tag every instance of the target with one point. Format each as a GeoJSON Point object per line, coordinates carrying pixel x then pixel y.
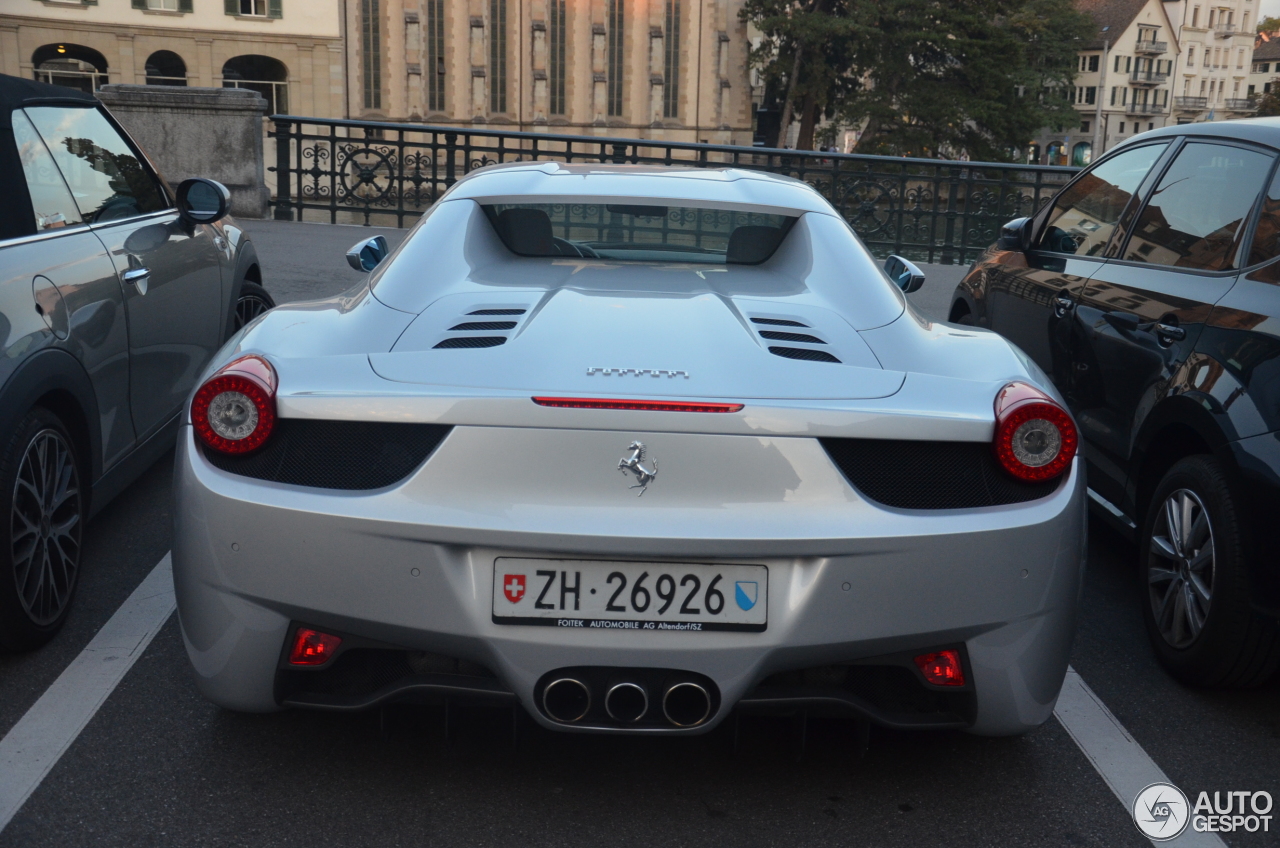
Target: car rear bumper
{"type": "Point", "coordinates": [410, 569]}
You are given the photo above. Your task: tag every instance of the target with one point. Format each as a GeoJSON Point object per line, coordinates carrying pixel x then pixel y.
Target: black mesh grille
{"type": "Point", "coordinates": [497, 312]}
{"type": "Point", "coordinates": [336, 454]}
{"type": "Point", "coordinates": [474, 341]}
{"type": "Point", "coordinates": [930, 475]}
{"type": "Point", "coordinates": [484, 325]}
{"type": "Point", "coordinates": [803, 353]}
{"type": "Point", "coordinates": [791, 337]}
{"type": "Point", "coordinates": [779, 322]}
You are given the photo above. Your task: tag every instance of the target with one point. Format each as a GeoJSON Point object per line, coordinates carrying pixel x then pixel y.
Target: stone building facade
{"type": "Point", "coordinates": [290, 51]}
{"type": "Point", "coordinates": [665, 69]}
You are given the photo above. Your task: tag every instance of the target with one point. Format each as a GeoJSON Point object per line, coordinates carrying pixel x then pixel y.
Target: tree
{"type": "Point", "coordinates": [925, 77]}
{"type": "Point", "coordinates": [1268, 24]}
{"type": "Point", "coordinates": [1269, 103]}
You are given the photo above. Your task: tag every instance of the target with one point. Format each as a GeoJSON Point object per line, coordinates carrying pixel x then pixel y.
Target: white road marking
{"type": "Point", "coordinates": [1115, 754]}
{"type": "Point", "coordinates": [42, 736]}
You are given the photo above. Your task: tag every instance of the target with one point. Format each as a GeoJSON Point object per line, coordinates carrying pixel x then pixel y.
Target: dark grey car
{"type": "Point", "coordinates": [114, 293]}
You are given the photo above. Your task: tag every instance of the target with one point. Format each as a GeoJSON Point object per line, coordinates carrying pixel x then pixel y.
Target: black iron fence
{"type": "Point", "coordinates": [929, 210]}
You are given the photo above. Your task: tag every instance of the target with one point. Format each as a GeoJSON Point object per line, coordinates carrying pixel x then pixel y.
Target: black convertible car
{"type": "Point", "coordinates": [1149, 289]}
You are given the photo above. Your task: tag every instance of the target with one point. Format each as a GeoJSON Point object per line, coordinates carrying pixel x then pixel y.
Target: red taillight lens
{"type": "Point", "coordinates": [941, 668]}
{"type": "Point", "coordinates": [235, 411]}
{"type": "Point", "coordinates": [1035, 438]}
{"type": "Point", "coordinates": [311, 647]}
{"type": "Point", "coordinates": [650, 405]}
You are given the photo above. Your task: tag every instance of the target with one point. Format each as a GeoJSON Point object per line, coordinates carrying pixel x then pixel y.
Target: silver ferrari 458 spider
{"type": "Point", "coordinates": [630, 448]}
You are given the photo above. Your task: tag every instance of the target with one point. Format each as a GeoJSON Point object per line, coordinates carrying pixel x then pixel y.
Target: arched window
{"type": "Point", "coordinates": [165, 67]}
{"type": "Point", "coordinates": [1082, 154]}
{"type": "Point", "coordinates": [1057, 153]}
{"type": "Point", "coordinates": [72, 65]}
{"type": "Point", "coordinates": [262, 74]}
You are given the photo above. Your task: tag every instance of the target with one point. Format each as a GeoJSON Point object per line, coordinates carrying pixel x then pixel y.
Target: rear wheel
{"type": "Point", "coordinates": [252, 301]}
{"type": "Point", "coordinates": [1195, 582]}
{"type": "Point", "coordinates": [960, 314]}
{"type": "Point", "coordinates": [42, 508]}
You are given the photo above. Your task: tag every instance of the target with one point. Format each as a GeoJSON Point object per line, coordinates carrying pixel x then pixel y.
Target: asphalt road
{"type": "Point", "coordinates": [159, 766]}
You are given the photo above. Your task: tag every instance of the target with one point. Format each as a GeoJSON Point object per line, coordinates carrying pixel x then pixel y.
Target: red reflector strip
{"type": "Point", "coordinates": [650, 405]}
{"type": "Point", "coordinates": [311, 647]}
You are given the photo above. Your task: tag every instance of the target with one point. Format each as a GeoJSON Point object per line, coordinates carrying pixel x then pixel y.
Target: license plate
{"type": "Point", "coordinates": [630, 595]}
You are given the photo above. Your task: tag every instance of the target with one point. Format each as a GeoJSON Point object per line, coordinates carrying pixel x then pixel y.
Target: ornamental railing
{"type": "Point", "coordinates": [929, 210]}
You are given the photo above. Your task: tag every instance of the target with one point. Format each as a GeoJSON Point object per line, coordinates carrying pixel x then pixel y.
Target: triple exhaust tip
{"type": "Point", "coordinates": [568, 700]}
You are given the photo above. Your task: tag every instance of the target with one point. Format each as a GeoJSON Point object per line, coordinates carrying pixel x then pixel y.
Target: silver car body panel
{"type": "Point", "coordinates": [412, 564]}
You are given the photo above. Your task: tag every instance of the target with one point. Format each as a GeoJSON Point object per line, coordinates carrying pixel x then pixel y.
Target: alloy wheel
{"type": "Point", "coordinates": [45, 527]}
{"type": "Point", "coordinates": [248, 307]}
{"type": "Point", "coordinates": [1180, 568]}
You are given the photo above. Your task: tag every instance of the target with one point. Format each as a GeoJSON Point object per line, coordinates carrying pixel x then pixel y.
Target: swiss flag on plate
{"type": "Point", "coordinates": [513, 587]}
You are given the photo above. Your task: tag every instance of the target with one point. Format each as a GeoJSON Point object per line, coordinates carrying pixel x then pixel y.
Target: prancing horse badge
{"type": "Point", "coordinates": [634, 463]}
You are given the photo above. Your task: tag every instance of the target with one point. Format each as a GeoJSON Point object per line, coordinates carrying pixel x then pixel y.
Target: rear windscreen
{"type": "Point", "coordinates": [638, 233]}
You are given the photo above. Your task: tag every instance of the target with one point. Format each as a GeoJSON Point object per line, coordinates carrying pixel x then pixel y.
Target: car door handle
{"type": "Point", "coordinates": [139, 277]}
{"type": "Point", "coordinates": [1062, 304]}
{"type": "Point", "coordinates": [1171, 332]}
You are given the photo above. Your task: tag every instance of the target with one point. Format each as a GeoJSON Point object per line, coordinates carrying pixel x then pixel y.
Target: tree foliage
{"type": "Point", "coordinates": [1269, 103]}
{"type": "Point", "coordinates": [1268, 24]}
{"type": "Point", "coordinates": [923, 77]}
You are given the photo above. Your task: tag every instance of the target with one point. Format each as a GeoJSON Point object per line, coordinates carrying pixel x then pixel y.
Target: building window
{"type": "Point", "coordinates": [1093, 63]}
{"type": "Point", "coordinates": [671, 62]}
{"type": "Point", "coordinates": [497, 55]}
{"type": "Point", "coordinates": [371, 50]}
{"type": "Point", "coordinates": [1195, 16]}
{"type": "Point", "coordinates": [165, 67]}
{"type": "Point", "coordinates": [1191, 57]}
{"type": "Point", "coordinates": [1122, 128]}
{"type": "Point", "coordinates": [1084, 126]}
{"type": "Point", "coordinates": [254, 8]}
{"type": "Point", "coordinates": [614, 76]}
{"type": "Point", "coordinates": [263, 74]}
{"type": "Point", "coordinates": [1082, 154]}
{"type": "Point", "coordinates": [163, 5]}
{"type": "Point", "coordinates": [556, 43]}
{"type": "Point", "coordinates": [435, 55]}
{"type": "Point", "coordinates": [1091, 95]}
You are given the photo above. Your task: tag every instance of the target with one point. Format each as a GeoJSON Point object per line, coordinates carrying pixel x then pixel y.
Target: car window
{"type": "Point", "coordinates": [1085, 214]}
{"type": "Point", "coordinates": [1266, 238]}
{"type": "Point", "coordinates": [1197, 214]}
{"type": "Point", "coordinates": [104, 173]}
{"type": "Point", "coordinates": [50, 199]}
{"type": "Point", "coordinates": [638, 233]}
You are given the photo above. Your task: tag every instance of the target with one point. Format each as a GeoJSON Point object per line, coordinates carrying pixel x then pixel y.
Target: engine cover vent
{"type": "Point", "coordinates": [473, 341]}
{"type": "Point", "coordinates": [778, 322]}
{"type": "Point", "coordinates": [483, 325]}
{"type": "Point", "coordinates": [497, 312]}
{"type": "Point", "coordinates": [803, 338]}
{"type": "Point", "coordinates": [803, 353]}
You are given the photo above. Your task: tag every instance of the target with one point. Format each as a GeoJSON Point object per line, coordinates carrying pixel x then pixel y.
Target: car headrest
{"type": "Point", "coordinates": [752, 245]}
{"type": "Point", "coordinates": [526, 231]}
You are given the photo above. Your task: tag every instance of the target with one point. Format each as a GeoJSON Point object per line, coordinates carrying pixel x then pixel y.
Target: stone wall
{"type": "Point", "coordinates": [199, 132]}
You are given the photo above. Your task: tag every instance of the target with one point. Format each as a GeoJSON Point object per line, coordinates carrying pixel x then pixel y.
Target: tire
{"type": "Point", "coordinates": [42, 517]}
{"type": "Point", "coordinates": [965, 318]}
{"type": "Point", "coordinates": [252, 301]}
{"type": "Point", "coordinates": [1195, 584]}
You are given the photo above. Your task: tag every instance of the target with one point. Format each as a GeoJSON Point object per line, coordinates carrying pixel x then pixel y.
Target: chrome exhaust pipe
{"type": "Point", "coordinates": [626, 702]}
{"type": "Point", "coordinates": [686, 705]}
{"type": "Point", "coordinates": [566, 700]}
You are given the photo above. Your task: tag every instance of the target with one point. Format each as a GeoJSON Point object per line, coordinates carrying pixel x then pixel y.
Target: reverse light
{"type": "Point", "coordinates": [650, 405]}
{"type": "Point", "coordinates": [1035, 438]}
{"type": "Point", "coordinates": [235, 410]}
{"type": "Point", "coordinates": [941, 668]}
{"type": "Point", "coordinates": [311, 647]}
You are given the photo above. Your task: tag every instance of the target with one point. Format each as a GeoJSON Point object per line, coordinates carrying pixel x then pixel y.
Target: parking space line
{"type": "Point", "coordinates": [33, 746]}
{"type": "Point", "coordinates": [1115, 754]}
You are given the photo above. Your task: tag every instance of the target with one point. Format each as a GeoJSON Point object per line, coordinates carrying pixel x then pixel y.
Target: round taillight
{"type": "Point", "coordinates": [1035, 437]}
{"type": "Point", "coordinates": [234, 412]}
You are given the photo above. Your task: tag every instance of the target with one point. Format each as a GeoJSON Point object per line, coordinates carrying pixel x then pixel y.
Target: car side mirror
{"type": "Point", "coordinates": [365, 255]}
{"type": "Point", "coordinates": [908, 277]}
{"type": "Point", "coordinates": [1015, 235]}
{"type": "Point", "coordinates": [202, 201]}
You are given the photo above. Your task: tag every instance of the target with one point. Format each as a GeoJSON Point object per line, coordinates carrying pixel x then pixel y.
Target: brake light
{"type": "Point", "coordinates": [311, 647]}
{"type": "Point", "coordinates": [235, 410]}
{"type": "Point", "coordinates": [651, 405]}
{"type": "Point", "coordinates": [1035, 437]}
{"type": "Point", "coordinates": [941, 668]}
